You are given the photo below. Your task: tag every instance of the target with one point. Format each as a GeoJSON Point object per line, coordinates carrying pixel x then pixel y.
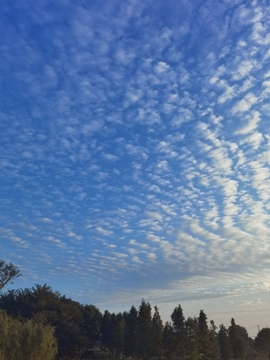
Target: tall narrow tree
{"type": "Point", "coordinates": [192, 342]}
{"type": "Point", "coordinates": [145, 338]}
{"type": "Point", "coordinates": [213, 334]}
{"type": "Point", "coordinates": [178, 321]}
{"type": "Point", "coordinates": [157, 333]}
{"type": "Point", "coordinates": [207, 339]}
{"type": "Point", "coordinates": [117, 333]}
{"type": "Point", "coordinates": [106, 332]}
{"type": "Point", "coordinates": [203, 336]}
{"type": "Point", "coordinates": [168, 340]}
{"type": "Point", "coordinates": [239, 340]}
{"type": "Point", "coordinates": [224, 343]}
{"type": "Point", "coordinates": [130, 336]}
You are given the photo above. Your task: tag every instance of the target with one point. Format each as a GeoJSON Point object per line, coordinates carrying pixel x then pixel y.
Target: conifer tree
{"type": "Point", "coordinates": [224, 343]}
{"type": "Point", "coordinates": [130, 336]}
{"type": "Point", "coordinates": [117, 333]}
{"type": "Point", "coordinates": [204, 341]}
{"type": "Point", "coordinates": [145, 338]}
{"type": "Point", "coordinates": [92, 322]}
{"type": "Point", "coordinates": [215, 353]}
{"type": "Point", "coordinates": [207, 339]}
{"type": "Point", "coordinates": [178, 321]}
{"type": "Point", "coordinates": [239, 340]}
{"type": "Point", "coordinates": [157, 333]}
{"type": "Point", "coordinates": [106, 331]}
{"type": "Point", "coordinates": [192, 343]}
{"type": "Point", "coordinates": [168, 340]}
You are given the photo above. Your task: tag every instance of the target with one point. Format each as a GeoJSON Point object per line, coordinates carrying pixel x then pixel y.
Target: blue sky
{"type": "Point", "coordinates": [135, 151]}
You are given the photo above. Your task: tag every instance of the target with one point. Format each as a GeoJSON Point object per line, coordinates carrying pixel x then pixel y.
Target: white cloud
{"type": "Point", "coordinates": [104, 232]}
{"type": "Point", "coordinates": [244, 69]}
{"type": "Point", "coordinates": [244, 104]}
{"type": "Point", "coordinates": [228, 94]}
{"type": "Point", "coordinates": [152, 257]}
{"type": "Point", "coordinates": [161, 67]}
{"type": "Point", "coordinates": [251, 125]}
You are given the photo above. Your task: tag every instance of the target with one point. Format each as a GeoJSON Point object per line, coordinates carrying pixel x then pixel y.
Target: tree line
{"type": "Point", "coordinates": [41, 324]}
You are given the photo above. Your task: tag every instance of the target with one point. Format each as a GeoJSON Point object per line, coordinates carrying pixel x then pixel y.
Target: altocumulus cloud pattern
{"type": "Point", "coordinates": [135, 149]}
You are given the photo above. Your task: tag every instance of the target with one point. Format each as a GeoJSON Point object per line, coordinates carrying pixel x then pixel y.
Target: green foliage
{"type": "Point", "coordinates": [92, 320]}
{"type": "Point", "coordinates": [106, 330]}
{"type": "Point", "coordinates": [118, 328]}
{"type": "Point", "coordinates": [178, 321]}
{"type": "Point", "coordinates": [9, 337]}
{"type": "Point", "coordinates": [213, 336]}
{"type": "Point", "coordinates": [224, 343]}
{"type": "Point", "coordinates": [168, 340]}
{"type": "Point", "coordinates": [204, 340]}
{"type": "Point", "coordinates": [262, 341]}
{"type": "Point", "coordinates": [157, 333]}
{"type": "Point", "coordinates": [130, 336]}
{"type": "Point", "coordinates": [145, 335]}
{"type": "Point", "coordinates": [26, 340]}
{"type": "Point", "coordinates": [7, 273]}
{"type": "Point", "coordinates": [208, 344]}
{"type": "Point", "coordinates": [192, 342]}
{"type": "Point", "coordinates": [76, 327]}
{"type": "Point", "coordinates": [239, 340]}
{"type": "Point", "coordinates": [38, 341]}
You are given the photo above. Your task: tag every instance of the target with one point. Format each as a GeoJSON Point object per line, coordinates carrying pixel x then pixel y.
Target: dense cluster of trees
{"type": "Point", "coordinates": [39, 323]}
{"type": "Point", "coordinates": [77, 327]}
{"type": "Point", "coordinates": [22, 338]}
{"type": "Point", "coordinates": [26, 340]}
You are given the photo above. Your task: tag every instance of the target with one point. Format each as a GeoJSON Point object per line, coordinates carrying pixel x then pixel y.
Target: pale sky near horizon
{"type": "Point", "coordinates": [135, 153]}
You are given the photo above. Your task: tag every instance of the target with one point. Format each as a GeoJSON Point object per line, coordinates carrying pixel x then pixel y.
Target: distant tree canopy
{"type": "Point", "coordinates": [7, 273]}
{"type": "Point", "coordinates": [47, 325]}
{"type": "Point", "coordinates": [262, 341]}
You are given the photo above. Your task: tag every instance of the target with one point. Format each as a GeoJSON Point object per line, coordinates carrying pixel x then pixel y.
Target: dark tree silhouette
{"type": "Point", "coordinates": [7, 273]}
{"type": "Point", "coordinates": [178, 321]}
{"type": "Point", "coordinates": [131, 336]}
{"type": "Point", "coordinates": [239, 340]}
{"type": "Point", "coordinates": [224, 343]}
